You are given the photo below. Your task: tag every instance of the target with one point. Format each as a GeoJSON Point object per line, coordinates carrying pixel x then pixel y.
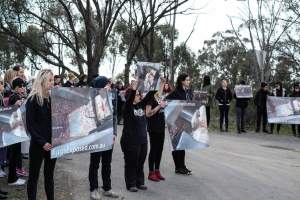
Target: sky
{"type": "Point", "coordinates": [211, 15]}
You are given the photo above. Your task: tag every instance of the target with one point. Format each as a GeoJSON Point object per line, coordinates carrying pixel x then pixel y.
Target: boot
{"type": "Point", "coordinates": [153, 177]}
{"type": "Point", "coordinates": [159, 176]}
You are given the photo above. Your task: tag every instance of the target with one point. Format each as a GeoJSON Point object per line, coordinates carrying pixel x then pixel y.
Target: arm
{"type": "Point", "coordinates": [146, 99]}
{"type": "Point", "coordinates": [31, 114]}
{"type": "Point", "coordinates": [150, 112]}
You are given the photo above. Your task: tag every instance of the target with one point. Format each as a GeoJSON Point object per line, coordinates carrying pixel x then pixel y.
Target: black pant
{"type": "Point", "coordinates": [36, 157]}
{"type": "Point", "coordinates": [179, 159]}
{"type": "Point", "coordinates": [294, 130]}
{"type": "Point", "coordinates": [119, 111]}
{"type": "Point", "coordinates": [240, 119]}
{"type": "Point", "coordinates": [14, 158]}
{"type": "Point", "coordinates": [106, 157]}
{"type": "Point", "coordinates": [207, 115]}
{"type": "Point", "coordinates": [278, 127]}
{"type": "Point", "coordinates": [224, 109]}
{"type": "Point", "coordinates": [135, 156]}
{"type": "Point", "coordinates": [261, 115]}
{"type": "Point", "coordinates": [156, 147]}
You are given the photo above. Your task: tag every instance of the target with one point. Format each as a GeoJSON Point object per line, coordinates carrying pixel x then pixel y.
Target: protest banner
{"type": "Point", "coordinates": [148, 75]}
{"type": "Point", "coordinates": [243, 91]}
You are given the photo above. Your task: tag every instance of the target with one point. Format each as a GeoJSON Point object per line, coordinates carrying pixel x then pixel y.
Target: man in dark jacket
{"type": "Point", "coordinates": [260, 101]}
{"type": "Point", "coordinates": [240, 106]}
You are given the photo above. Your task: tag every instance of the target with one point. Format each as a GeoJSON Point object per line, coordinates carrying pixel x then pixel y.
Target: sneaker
{"type": "Point", "coordinates": [111, 194]}
{"type": "Point", "coordinates": [189, 171]}
{"type": "Point", "coordinates": [22, 172]}
{"type": "Point", "coordinates": [142, 187]}
{"type": "Point", "coordinates": [2, 173]}
{"type": "Point", "coordinates": [133, 189]}
{"type": "Point", "coordinates": [18, 182]}
{"type": "Point", "coordinates": [243, 131]}
{"type": "Point", "coordinates": [159, 176]}
{"type": "Point", "coordinates": [182, 171]}
{"type": "Point", "coordinates": [153, 177]}
{"type": "Point", "coordinates": [95, 195]}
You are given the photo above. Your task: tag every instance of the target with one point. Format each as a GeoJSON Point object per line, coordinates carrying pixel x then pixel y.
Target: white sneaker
{"type": "Point", "coordinates": [95, 195]}
{"type": "Point", "coordinates": [18, 182]}
{"type": "Point", "coordinates": [2, 173]}
{"type": "Point", "coordinates": [110, 193]}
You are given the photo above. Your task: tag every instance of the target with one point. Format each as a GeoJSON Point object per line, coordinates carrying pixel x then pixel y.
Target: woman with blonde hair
{"type": "Point", "coordinates": [38, 122]}
{"type": "Point", "coordinates": [9, 76]}
{"type": "Point", "coordinates": [71, 80]}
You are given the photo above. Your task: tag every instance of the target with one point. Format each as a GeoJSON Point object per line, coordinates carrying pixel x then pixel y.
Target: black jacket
{"type": "Point", "coordinates": [260, 99]}
{"type": "Point", "coordinates": [38, 121]}
{"type": "Point", "coordinates": [135, 124]}
{"type": "Point", "coordinates": [14, 97]}
{"type": "Point", "coordinates": [180, 94]}
{"type": "Point", "coordinates": [224, 97]}
{"type": "Point", "coordinates": [241, 102]}
{"type": "Point", "coordinates": [295, 94]}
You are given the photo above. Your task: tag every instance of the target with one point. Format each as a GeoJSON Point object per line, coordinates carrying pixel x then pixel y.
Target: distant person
{"type": "Point", "coordinates": [120, 100]}
{"type": "Point", "coordinates": [83, 81]}
{"type": "Point", "coordinates": [9, 76]}
{"type": "Point", "coordinates": [260, 100]}
{"type": "Point", "coordinates": [296, 93]}
{"type": "Point", "coordinates": [224, 97]}
{"type": "Point", "coordinates": [241, 107]}
{"type": "Point", "coordinates": [207, 87]}
{"type": "Point", "coordinates": [182, 92]}
{"type": "Point", "coordinates": [57, 81]}
{"type": "Point", "coordinates": [71, 80]}
{"type": "Point", "coordinates": [20, 72]}
{"type": "Point", "coordinates": [278, 91]}
{"type": "Point", "coordinates": [38, 122]}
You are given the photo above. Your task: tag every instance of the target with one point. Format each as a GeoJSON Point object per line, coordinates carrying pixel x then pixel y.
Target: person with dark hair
{"type": "Point", "coordinates": [296, 93]}
{"type": "Point", "coordinates": [224, 97]}
{"type": "Point", "coordinates": [260, 100]}
{"type": "Point", "coordinates": [182, 92]}
{"type": "Point", "coordinates": [278, 91]}
{"type": "Point", "coordinates": [240, 106]}
{"type": "Point", "coordinates": [207, 87]}
{"type": "Point", "coordinates": [57, 81]}
{"type": "Point", "coordinates": [120, 100]}
{"type": "Point", "coordinates": [134, 138]}
{"type": "Point", "coordinates": [104, 156]}
{"type": "Point", "coordinates": [82, 81]}
{"type": "Point", "coordinates": [19, 69]}
{"type": "Point", "coordinates": [156, 129]}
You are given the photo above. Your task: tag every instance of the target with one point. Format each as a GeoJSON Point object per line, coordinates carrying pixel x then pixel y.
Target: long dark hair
{"type": "Point", "coordinates": [180, 78]}
{"type": "Point", "coordinates": [206, 81]}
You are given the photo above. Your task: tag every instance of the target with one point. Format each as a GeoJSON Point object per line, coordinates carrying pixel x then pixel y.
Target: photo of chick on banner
{"type": "Point", "coordinates": [186, 121]}
{"type": "Point", "coordinates": [148, 76]}
{"type": "Point", "coordinates": [283, 110]}
{"type": "Point", "coordinates": [12, 126]}
{"type": "Point", "coordinates": [201, 96]}
{"type": "Point", "coordinates": [243, 91]}
{"type": "Point", "coordinates": [82, 120]}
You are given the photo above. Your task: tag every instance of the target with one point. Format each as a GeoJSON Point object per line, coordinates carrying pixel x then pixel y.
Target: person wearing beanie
{"type": "Point", "coordinates": [260, 100]}
{"type": "Point", "coordinates": [240, 107]}
{"type": "Point", "coordinates": [104, 156]}
{"type": "Point", "coordinates": [15, 159]}
{"type": "Point", "coordinates": [278, 91]}
{"type": "Point", "coordinates": [296, 93]}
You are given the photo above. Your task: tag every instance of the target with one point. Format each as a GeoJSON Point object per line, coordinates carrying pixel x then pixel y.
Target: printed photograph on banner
{"type": "Point", "coordinates": [243, 91]}
{"type": "Point", "coordinates": [201, 96]}
{"type": "Point", "coordinates": [283, 110]}
{"type": "Point", "coordinates": [187, 124]}
{"type": "Point", "coordinates": [82, 120]}
{"type": "Point", "coordinates": [148, 75]}
{"type": "Point", "coordinates": [12, 126]}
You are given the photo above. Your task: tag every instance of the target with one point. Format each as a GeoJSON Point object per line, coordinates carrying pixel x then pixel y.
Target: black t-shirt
{"type": "Point", "coordinates": [156, 123]}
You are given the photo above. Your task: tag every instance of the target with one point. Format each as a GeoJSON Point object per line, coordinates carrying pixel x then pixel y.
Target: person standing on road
{"type": "Point", "coordinates": [39, 126]}
{"type": "Point", "coordinates": [296, 93]}
{"type": "Point", "coordinates": [260, 100]}
{"type": "Point", "coordinates": [224, 97]}
{"type": "Point", "coordinates": [104, 156]}
{"type": "Point", "coordinates": [207, 87]}
{"type": "Point", "coordinates": [182, 92]}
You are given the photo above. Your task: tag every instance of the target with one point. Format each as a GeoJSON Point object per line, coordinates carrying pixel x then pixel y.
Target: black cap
{"type": "Point", "coordinates": [100, 82]}
{"type": "Point", "coordinates": [18, 82]}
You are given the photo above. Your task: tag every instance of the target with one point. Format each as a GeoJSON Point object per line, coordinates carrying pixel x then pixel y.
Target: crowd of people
{"type": "Point", "coordinates": [141, 116]}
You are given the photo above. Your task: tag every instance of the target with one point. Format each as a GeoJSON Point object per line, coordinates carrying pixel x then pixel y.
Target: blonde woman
{"type": "Point", "coordinates": [71, 80]}
{"type": "Point", "coordinates": [38, 122]}
{"type": "Point", "coordinates": [9, 76]}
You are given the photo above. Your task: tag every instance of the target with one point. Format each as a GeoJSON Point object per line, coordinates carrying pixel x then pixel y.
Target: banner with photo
{"type": "Point", "coordinates": [148, 76]}
{"type": "Point", "coordinates": [201, 96]}
{"type": "Point", "coordinates": [283, 110]}
{"type": "Point", "coordinates": [82, 120]}
{"type": "Point", "coordinates": [186, 121]}
{"type": "Point", "coordinates": [12, 126]}
{"type": "Point", "coordinates": [243, 91]}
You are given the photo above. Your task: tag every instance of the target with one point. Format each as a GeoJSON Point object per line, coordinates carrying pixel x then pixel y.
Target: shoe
{"type": "Point", "coordinates": [111, 194]}
{"type": "Point", "coordinates": [18, 182]}
{"type": "Point", "coordinates": [2, 173]}
{"type": "Point", "coordinates": [153, 177]}
{"type": "Point", "coordinates": [182, 171]}
{"type": "Point", "coordinates": [22, 172]}
{"type": "Point", "coordinates": [95, 195]}
{"type": "Point", "coordinates": [3, 192]}
{"type": "Point", "coordinates": [3, 197]}
{"type": "Point", "coordinates": [266, 131]}
{"type": "Point", "coordinates": [133, 189]}
{"type": "Point", "coordinates": [159, 176]}
{"type": "Point", "coordinates": [142, 187]}
{"type": "Point", "coordinates": [257, 130]}
{"type": "Point", "coordinates": [243, 131]}
{"type": "Point", "coordinates": [189, 171]}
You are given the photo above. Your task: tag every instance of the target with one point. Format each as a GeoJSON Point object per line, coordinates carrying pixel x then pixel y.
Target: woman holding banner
{"type": "Point", "coordinates": [38, 122]}
{"type": "Point", "coordinates": [182, 92]}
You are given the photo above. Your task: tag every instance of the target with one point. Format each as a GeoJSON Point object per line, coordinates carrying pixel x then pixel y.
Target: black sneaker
{"type": "Point", "coordinates": [133, 189]}
{"type": "Point", "coordinates": [183, 171]}
{"type": "Point", "coordinates": [189, 171]}
{"type": "Point", "coordinates": [243, 131]}
{"type": "Point", "coordinates": [142, 187]}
